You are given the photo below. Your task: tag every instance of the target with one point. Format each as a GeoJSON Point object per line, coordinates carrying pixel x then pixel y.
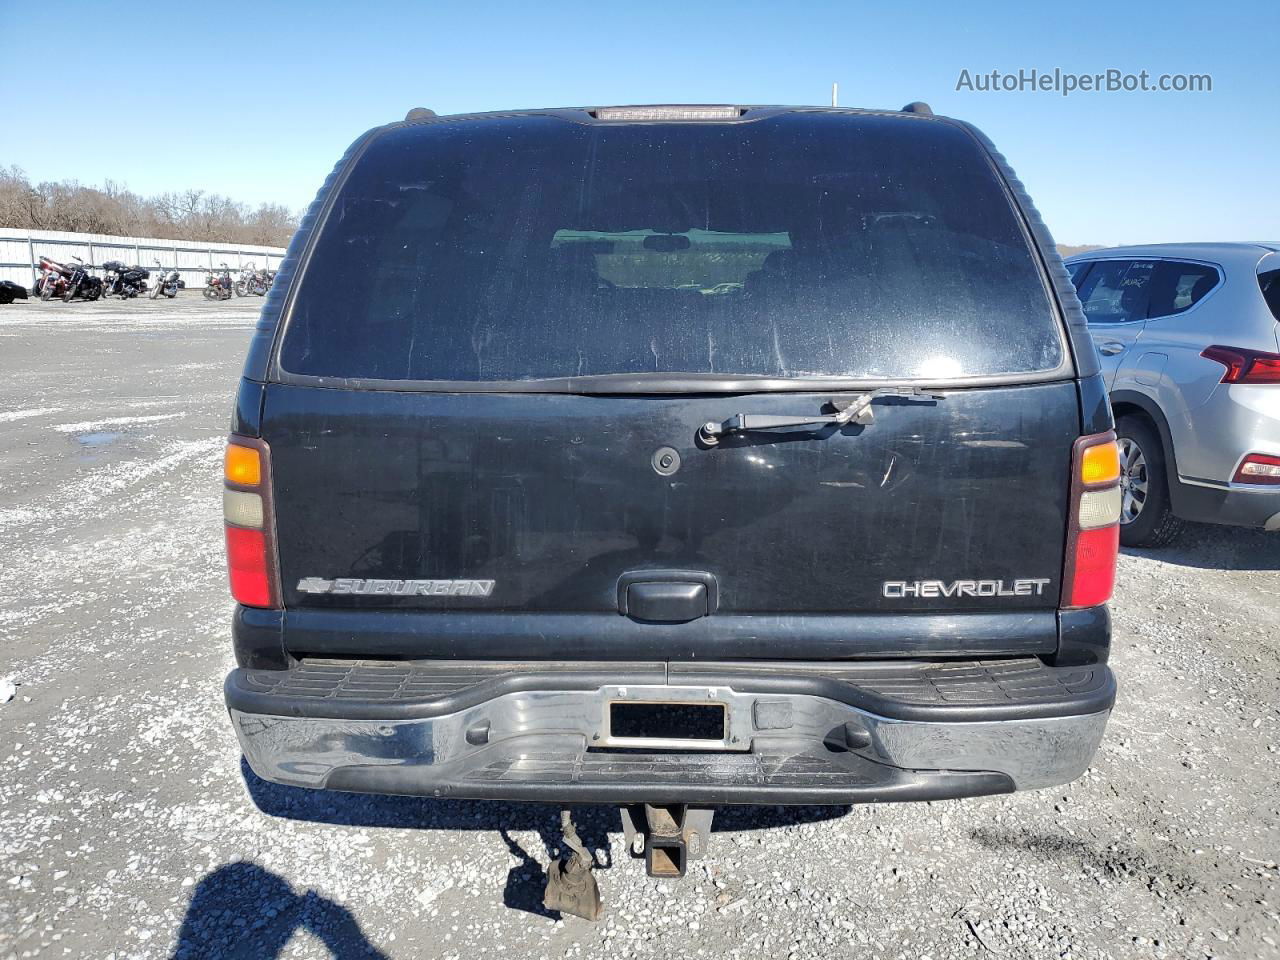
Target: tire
{"type": "Point", "coordinates": [155, 291]}
{"type": "Point", "coordinates": [210, 293]}
{"type": "Point", "coordinates": [71, 292]}
{"type": "Point", "coordinates": [46, 292]}
{"type": "Point", "coordinates": [242, 288]}
{"type": "Point", "coordinates": [1146, 517]}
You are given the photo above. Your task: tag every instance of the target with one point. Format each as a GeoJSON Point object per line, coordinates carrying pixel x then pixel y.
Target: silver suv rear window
{"type": "Point", "coordinates": [803, 245]}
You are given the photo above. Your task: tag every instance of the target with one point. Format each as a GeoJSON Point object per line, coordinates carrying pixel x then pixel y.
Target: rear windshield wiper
{"type": "Point", "coordinates": [855, 409]}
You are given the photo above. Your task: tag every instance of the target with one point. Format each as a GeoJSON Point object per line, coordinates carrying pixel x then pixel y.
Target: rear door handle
{"type": "Point", "coordinates": [1109, 348]}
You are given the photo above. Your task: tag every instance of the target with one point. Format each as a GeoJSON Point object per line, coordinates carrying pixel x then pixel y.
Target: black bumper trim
{"type": "Point", "coordinates": [867, 783]}
{"type": "Point", "coordinates": [946, 691]}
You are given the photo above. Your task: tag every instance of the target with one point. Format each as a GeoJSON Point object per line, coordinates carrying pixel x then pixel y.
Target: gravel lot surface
{"type": "Point", "coordinates": [130, 828]}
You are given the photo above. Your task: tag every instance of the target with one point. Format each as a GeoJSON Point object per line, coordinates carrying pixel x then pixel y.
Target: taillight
{"type": "Point", "coordinates": [247, 517]}
{"type": "Point", "coordinates": [1258, 468]}
{"type": "Point", "coordinates": [1245, 366]}
{"type": "Point", "coordinates": [1093, 540]}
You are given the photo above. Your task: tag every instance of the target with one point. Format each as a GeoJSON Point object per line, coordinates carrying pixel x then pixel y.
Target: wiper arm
{"type": "Point", "coordinates": [847, 410]}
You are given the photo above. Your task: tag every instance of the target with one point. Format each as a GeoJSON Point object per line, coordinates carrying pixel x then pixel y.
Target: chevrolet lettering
{"type": "Point", "coordinates": [900, 589]}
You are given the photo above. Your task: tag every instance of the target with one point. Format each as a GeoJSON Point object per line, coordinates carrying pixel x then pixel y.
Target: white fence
{"type": "Point", "coordinates": [21, 250]}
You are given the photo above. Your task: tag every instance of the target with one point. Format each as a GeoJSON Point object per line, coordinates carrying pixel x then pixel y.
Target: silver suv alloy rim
{"type": "Point", "coordinates": [1133, 480]}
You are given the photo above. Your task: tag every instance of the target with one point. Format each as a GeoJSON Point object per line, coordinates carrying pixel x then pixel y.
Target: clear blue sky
{"type": "Point", "coordinates": [272, 93]}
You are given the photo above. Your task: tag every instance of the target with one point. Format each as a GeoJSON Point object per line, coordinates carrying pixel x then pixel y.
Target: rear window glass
{"type": "Point", "coordinates": [1180, 286]}
{"type": "Point", "coordinates": [802, 245]}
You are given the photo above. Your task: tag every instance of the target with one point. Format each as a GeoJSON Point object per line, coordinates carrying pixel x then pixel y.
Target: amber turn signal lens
{"type": "Point", "coordinates": [243, 465]}
{"type": "Point", "coordinates": [1100, 463]}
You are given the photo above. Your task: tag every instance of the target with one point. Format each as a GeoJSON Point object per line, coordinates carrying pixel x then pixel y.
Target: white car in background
{"type": "Point", "coordinates": [1189, 339]}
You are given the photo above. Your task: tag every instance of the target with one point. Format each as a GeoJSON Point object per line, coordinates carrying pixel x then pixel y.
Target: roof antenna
{"type": "Point", "coordinates": [835, 93]}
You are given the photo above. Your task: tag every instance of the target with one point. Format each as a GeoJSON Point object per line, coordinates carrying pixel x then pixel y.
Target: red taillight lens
{"type": "Point", "coordinates": [1093, 540]}
{"type": "Point", "coordinates": [250, 571]}
{"type": "Point", "coordinates": [247, 516]}
{"type": "Point", "coordinates": [1094, 575]}
{"type": "Point", "coordinates": [1259, 468]}
{"type": "Point", "coordinates": [1245, 366]}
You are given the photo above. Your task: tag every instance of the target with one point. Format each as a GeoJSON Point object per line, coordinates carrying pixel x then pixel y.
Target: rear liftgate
{"type": "Point", "coordinates": [668, 836]}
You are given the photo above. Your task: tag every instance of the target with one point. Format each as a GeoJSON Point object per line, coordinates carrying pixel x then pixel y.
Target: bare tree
{"type": "Point", "coordinates": [114, 209]}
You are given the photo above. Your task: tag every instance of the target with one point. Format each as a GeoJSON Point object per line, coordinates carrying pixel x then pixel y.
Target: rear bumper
{"type": "Point", "coordinates": [792, 733]}
{"type": "Point", "coordinates": [1234, 504]}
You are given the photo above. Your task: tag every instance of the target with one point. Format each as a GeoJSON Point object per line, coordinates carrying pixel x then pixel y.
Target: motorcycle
{"type": "Point", "coordinates": [124, 282]}
{"type": "Point", "coordinates": [253, 281]}
{"type": "Point", "coordinates": [167, 282]}
{"type": "Point", "coordinates": [50, 279]}
{"type": "Point", "coordinates": [67, 281]}
{"type": "Point", "coordinates": [217, 284]}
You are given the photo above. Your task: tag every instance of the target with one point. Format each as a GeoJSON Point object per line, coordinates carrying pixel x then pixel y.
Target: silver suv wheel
{"type": "Point", "coordinates": [1134, 480]}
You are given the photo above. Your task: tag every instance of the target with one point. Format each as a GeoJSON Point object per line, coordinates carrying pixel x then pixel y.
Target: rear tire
{"type": "Point", "coordinates": [1146, 517]}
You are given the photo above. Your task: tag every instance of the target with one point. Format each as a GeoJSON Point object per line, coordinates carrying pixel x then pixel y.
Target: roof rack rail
{"type": "Point", "coordinates": [920, 107]}
{"type": "Point", "coordinates": [419, 113]}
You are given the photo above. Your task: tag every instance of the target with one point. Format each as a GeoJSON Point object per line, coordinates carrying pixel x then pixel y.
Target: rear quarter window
{"type": "Point", "coordinates": [803, 245]}
{"type": "Point", "coordinates": [1269, 282]}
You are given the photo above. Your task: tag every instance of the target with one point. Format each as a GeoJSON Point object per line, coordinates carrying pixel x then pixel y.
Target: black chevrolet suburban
{"type": "Point", "coordinates": [670, 457]}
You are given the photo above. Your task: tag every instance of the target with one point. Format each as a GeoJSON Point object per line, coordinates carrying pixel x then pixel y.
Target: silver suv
{"type": "Point", "coordinates": [1188, 339]}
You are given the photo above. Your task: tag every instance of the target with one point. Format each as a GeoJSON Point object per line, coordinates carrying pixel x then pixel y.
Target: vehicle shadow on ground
{"type": "Point", "coordinates": [1210, 547]}
{"type": "Point", "coordinates": [242, 911]}
{"type": "Point", "coordinates": [527, 880]}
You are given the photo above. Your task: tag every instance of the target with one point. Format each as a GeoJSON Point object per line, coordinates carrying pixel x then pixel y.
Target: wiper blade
{"type": "Point", "coordinates": [847, 410]}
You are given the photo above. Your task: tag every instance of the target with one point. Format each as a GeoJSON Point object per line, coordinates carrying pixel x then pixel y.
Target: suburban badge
{"type": "Point", "coordinates": [397, 588]}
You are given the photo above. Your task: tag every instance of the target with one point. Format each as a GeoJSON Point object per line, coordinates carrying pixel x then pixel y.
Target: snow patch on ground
{"type": "Point", "coordinates": [88, 426]}
{"type": "Point", "coordinates": [76, 500]}
{"type": "Point", "coordinates": [9, 416]}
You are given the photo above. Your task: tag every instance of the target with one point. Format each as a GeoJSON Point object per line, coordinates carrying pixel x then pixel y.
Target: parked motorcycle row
{"type": "Point", "coordinates": [254, 282]}
{"type": "Point", "coordinates": [218, 284]}
{"type": "Point", "coordinates": [72, 280]}
{"type": "Point", "coordinates": [66, 281]}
